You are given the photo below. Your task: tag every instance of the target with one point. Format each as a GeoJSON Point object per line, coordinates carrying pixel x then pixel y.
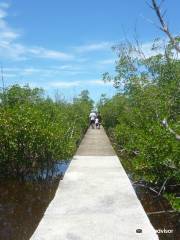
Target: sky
{"type": "Point", "coordinates": [66, 45]}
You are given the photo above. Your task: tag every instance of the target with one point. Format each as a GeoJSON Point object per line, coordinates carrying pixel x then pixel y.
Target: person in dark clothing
{"type": "Point", "coordinates": [99, 119]}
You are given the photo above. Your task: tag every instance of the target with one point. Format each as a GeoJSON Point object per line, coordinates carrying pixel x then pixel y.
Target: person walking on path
{"type": "Point", "coordinates": [97, 123]}
{"type": "Point", "coordinates": [92, 117]}
{"type": "Point", "coordinates": [99, 120]}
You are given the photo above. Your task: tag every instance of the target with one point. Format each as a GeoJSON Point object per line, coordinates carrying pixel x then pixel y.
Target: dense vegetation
{"type": "Point", "coordinates": [37, 132]}
{"type": "Point", "coordinates": [144, 119]}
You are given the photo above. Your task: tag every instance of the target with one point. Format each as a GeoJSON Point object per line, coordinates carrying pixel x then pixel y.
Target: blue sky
{"type": "Point", "coordinates": [65, 45]}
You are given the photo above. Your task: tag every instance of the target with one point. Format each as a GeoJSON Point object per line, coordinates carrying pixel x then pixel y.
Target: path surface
{"type": "Point", "coordinates": [95, 200]}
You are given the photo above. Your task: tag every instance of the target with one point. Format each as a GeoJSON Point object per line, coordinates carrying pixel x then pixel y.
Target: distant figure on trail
{"type": "Point", "coordinates": [99, 119]}
{"type": "Point", "coordinates": [92, 117]}
{"type": "Point", "coordinates": [97, 123]}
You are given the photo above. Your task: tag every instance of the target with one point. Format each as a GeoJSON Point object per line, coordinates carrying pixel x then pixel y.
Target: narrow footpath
{"type": "Point", "coordinates": [95, 200]}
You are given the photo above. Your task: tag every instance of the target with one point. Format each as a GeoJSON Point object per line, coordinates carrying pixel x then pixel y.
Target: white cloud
{"type": "Point", "coordinates": [146, 48]}
{"type": "Point", "coordinates": [23, 72]}
{"type": "Point", "coordinates": [68, 67]}
{"type": "Point", "coordinates": [31, 70]}
{"type": "Point", "coordinates": [94, 47]}
{"type": "Point", "coordinates": [98, 82]}
{"type": "Point", "coordinates": [7, 34]}
{"type": "Point", "coordinates": [73, 69]}
{"type": "Point", "coordinates": [70, 84]}
{"type": "Point", "coordinates": [2, 14]}
{"type": "Point", "coordinates": [41, 52]}
{"type": "Point", "coordinates": [106, 62]}
{"type": "Point", "coordinates": [12, 51]}
{"type": "Point", "coordinates": [63, 67]}
{"type": "Point", "coordinates": [64, 84]}
{"type": "Point", "coordinates": [11, 48]}
{"type": "Point", "coordinates": [16, 51]}
{"type": "Point", "coordinates": [48, 72]}
{"type": "Point", "coordinates": [32, 84]}
{"type": "Point", "coordinates": [9, 75]}
{"type": "Point", "coordinates": [4, 5]}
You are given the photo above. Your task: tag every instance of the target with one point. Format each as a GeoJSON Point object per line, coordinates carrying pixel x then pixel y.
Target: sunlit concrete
{"type": "Point", "coordinates": [95, 200]}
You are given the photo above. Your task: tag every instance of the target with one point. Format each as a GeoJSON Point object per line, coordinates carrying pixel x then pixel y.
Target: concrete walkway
{"type": "Point", "coordinates": [95, 200]}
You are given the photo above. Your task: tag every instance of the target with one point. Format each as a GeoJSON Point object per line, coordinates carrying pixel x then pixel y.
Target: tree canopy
{"type": "Point", "coordinates": [143, 119]}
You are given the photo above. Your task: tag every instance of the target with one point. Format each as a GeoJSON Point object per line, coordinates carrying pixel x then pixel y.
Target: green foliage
{"type": "Point", "coordinates": [144, 118]}
{"type": "Point", "coordinates": [36, 132]}
{"type": "Point", "coordinates": [174, 201]}
{"type": "Point", "coordinates": [19, 95]}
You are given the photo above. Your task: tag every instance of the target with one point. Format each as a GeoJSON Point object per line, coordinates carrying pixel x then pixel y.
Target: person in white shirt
{"type": "Point", "coordinates": [92, 117]}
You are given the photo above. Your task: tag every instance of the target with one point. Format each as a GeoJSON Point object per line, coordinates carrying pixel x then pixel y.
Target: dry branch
{"type": "Point", "coordinates": [165, 124]}
{"type": "Point", "coordinates": [163, 25]}
{"type": "Point", "coordinates": [160, 212]}
{"type": "Point", "coordinates": [145, 186]}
